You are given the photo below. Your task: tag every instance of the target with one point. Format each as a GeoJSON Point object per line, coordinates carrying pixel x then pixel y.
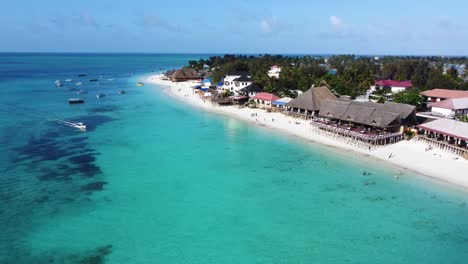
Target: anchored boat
{"type": "Point", "coordinates": [75, 101]}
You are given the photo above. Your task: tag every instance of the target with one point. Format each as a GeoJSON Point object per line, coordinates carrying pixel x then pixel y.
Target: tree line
{"type": "Point", "coordinates": [352, 75]}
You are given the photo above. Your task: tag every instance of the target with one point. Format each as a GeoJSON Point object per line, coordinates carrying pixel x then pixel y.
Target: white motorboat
{"type": "Point", "coordinates": [78, 125]}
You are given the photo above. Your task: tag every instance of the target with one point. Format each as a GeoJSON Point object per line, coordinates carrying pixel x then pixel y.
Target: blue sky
{"type": "Point", "coordinates": [209, 26]}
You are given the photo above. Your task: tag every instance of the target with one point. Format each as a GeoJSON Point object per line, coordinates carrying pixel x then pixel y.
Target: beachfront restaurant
{"type": "Point", "coordinates": [280, 104]}
{"type": "Point", "coordinates": [307, 105]}
{"type": "Point", "coordinates": [372, 123]}
{"type": "Point", "coordinates": [239, 99]}
{"type": "Point", "coordinates": [264, 100]}
{"type": "Point", "coordinates": [447, 134]}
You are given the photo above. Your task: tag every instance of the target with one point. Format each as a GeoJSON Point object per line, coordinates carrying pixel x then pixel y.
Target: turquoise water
{"type": "Point", "coordinates": [156, 181]}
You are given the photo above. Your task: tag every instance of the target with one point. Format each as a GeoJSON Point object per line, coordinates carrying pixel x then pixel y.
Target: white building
{"type": "Point", "coordinates": [234, 82]}
{"type": "Point", "coordinates": [274, 71]}
{"type": "Point", "coordinates": [392, 85]}
{"type": "Point", "coordinates": [450, 107]}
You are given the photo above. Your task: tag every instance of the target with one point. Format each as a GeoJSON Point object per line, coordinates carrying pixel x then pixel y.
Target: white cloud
{"type": "Point", "coordinates": [267, 25]}
{"type": "Point", "coordinates": [272, 25]}
{"type": "Point", "coordinates": [335, 22]}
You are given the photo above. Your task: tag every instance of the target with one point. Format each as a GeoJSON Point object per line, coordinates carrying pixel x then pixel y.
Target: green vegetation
{"type": "Point", "coordinates": [354, 75]}
{"type": "Point", "coordinates": [462, 118]}
{"type": "Point", "coordinates": [410, 96]}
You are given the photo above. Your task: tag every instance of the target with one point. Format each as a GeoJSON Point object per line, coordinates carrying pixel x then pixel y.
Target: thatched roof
{"type": "Point", "coordinates": [311, 99]}
{"type": "Point", "coordinates": [185, 74]}
{"type": "Point", "coordinates": [366, 113]}
{"type": "Point", "coordinates": [404, 110]}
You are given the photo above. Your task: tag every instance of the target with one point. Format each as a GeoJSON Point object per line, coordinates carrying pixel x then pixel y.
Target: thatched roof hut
{"type": "Point", "coordinates": [185, 75]}
{"type": "Point", "coordinates": [311, 99]}
{"type": "Point", "coordinates": [369, 113]}
{"type": "Point", "coordinates": [309, 102]}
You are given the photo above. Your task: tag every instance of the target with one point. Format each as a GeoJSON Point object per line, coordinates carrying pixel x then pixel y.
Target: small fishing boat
{"type": "Point", "coordinates": [75, 101]}
{"type": "Point", "coordinates": [81, 75]}
{"type": "Point", "coordinates": [58, 83]}
{"type": "Point", "coordinates": [78, 83]}
{"type": "Point", "coordinates": [78, 125]}
{"type": "Point", "coordinates": [121, 92]}
{"type": "Point", "coordinates": [68, 80]}
{"type": "Point", "coordinates": [140, 84]}
{"type": "Point", "coordinates": [82, 92]}
{"type": "Point", "coordinates": [94, 80]}
{"type": "Point", "coordinates": [100, 95]}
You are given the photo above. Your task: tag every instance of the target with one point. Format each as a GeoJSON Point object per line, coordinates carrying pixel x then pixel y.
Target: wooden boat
{"type": "Point", "coordinates": [140, 84]}
{"type": "Point", "coordinates": [75, 101]}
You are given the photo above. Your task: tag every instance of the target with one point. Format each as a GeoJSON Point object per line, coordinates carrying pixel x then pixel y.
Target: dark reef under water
{"type": "Point", "coordinates": [66, 173]}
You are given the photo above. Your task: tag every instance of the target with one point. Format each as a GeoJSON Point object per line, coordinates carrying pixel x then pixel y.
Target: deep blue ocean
{"type": "Point", "coordinates": [155, 181]}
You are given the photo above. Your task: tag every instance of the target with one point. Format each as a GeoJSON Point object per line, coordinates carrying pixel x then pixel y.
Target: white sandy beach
{"type": "Point", "coordinates": [411, 155]}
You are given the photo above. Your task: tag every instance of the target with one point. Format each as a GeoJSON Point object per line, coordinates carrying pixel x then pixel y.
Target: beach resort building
{"type": "Point", "coordinates": [369, 115]}
{"type": "Point", "coordinates": [392, 86]}
{"type": "Point", "coordinates": [264, 100]}
{"type": "Point", "coordinates": [308, 104]}
{"type": "Point", "coordinates": [183, 75]}
{"type": "Point", "coordinates": [236, 81]}
{"type": "Point", "coordinates": [447, 134]}
{"type": "Point", "coordinates": [437, 95]}
{"type": "Point", "coordinates": [450, 107]}
{"type": "Point", "coordinates": [365, 124]}
{"type": "Point", "coordinates": [274, 71]}
{"type": "Point", "coordinates": [251, 90]}
{"type": "Point", "coordinates": [281, 103]}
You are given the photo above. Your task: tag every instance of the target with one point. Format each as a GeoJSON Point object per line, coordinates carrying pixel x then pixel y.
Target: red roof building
{"type": "Point", "coordinates": [450, 107]}
{"type": "Point", "coordinates": [264, 100]}
{"type": "Point", "coordinates": [436, 95]}
{"type": "Point", "coordinates": [392, 83]}
{"type": "Point", "coordinates": [392, 86]}
{"type": "Point", "coordinates": [266, 97]}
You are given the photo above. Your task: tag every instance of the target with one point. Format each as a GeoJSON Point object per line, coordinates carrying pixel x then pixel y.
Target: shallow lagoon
{"type": "Point", "coordinates": [154, 180]}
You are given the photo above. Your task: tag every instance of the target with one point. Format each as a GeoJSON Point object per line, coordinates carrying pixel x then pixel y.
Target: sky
{"type": "Point", "coordinates": [397, 27]}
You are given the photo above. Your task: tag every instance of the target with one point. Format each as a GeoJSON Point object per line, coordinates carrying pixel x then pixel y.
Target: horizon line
{"type": "Point", "coordinates": [227, 53]}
